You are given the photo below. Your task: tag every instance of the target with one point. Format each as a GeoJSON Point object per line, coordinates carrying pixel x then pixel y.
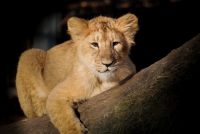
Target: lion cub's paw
{"type": "Point", "coordinates": [77, 129]}
{"type": "Point", "coordinates": [81, 129]}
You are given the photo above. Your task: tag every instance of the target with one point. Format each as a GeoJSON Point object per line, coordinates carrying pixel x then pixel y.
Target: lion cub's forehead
{"type": "Point", "coordinates": [102, 23]}
{"type": "Point", "coordinates": [104, 28]}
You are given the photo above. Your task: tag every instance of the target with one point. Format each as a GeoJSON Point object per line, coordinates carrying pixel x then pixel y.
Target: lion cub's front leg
{"type": "Point", "coordinates": [61, 113]}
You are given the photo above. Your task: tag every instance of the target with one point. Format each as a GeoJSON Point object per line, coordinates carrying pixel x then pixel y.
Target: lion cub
{"type": "Point", "coordinates": [93, 61]}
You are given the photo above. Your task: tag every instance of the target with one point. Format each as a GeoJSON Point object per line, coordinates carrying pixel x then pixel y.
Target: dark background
{"type": "Point", "coordinates": [164, 26]}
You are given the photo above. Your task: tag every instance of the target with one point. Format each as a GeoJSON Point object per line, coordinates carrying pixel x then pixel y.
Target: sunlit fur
{"type": "Point", "coordinates": [52, 82]}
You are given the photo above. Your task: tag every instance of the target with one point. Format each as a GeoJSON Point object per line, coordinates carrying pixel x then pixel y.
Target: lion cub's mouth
{"type": "Point", "coordinates": [108, 70]}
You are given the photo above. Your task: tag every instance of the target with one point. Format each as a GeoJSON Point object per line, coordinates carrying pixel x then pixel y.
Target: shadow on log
{"type": "Point", "coordinates": [160, 99]}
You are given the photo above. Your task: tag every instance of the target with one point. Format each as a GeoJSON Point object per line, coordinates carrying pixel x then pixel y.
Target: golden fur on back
{"type": "Point", "coordinates": [94, 60]}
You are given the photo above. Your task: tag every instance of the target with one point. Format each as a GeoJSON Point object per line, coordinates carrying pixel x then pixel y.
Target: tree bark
{"type": "Point", "coordinates": [160, 99]}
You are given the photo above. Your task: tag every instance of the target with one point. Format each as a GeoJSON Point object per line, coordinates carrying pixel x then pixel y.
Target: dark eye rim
{"type": "Point", "coordinates": [94, 44]}
{"type": "Point", "coordinates": [115, 43]}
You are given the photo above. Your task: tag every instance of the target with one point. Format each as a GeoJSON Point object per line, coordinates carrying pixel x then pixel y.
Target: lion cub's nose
{"type": "Point", "coordinates": [107, 64]}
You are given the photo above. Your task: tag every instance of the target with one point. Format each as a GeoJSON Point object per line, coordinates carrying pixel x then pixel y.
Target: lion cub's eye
{"type": "Point", "coordinates": [94, 44]}
{"type": "Point", "coordinates": [115, 43]}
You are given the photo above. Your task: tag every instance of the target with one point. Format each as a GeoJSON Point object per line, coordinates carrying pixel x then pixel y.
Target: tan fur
{"type": "Point", "coordinates": [52, 82]}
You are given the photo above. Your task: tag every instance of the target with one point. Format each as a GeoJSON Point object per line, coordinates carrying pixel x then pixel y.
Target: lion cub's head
{"type": "Point", "coordinates": [103, 42]}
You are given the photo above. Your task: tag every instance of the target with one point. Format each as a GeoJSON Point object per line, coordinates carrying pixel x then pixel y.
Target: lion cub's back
{"type": "Point", "coordinates": [59, 63]}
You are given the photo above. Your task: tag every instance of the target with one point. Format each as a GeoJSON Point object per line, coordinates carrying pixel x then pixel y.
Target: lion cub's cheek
{"type": "Point", "coordinates": [87, 54]}
{"type": "Point", "coordinates": [118, 48]}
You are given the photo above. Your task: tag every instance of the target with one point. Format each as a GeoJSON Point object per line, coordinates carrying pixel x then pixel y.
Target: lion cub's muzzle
{"type": "Point", "coordinates": [108, 66]}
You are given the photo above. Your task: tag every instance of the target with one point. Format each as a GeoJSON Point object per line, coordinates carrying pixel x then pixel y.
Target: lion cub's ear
{"type": "Point", "coordinates": [128, 25]}
{"type": "Point", "coordinates": [77, 27]}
